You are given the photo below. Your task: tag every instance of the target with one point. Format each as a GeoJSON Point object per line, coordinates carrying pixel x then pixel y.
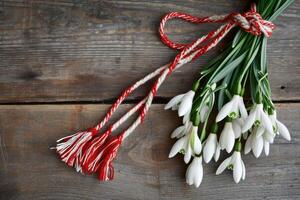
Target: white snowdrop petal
{"type": "Point", "coordinates": [188, 154]}
{"type": "Point", "coordinates": [284, 132]}
{"type": "Point", "coordinates": [186, 103]}
{"type": "Point", "coordinates": [266, 122]}
{"type": "Point", "coordinates": [177, 131]}
{"type": "Point", "coordinates": [174, 101]}
{"type": "Point", "coordinates": [217, 153]}
{"type": "Point", "coordinates": [260, 131]}
{"type": "Point", "coordinates": [249, 121]}
{"type": "Point", "coordinates": [179, 144]}
{"type": "Point", "coordinates": [230, 138]}
{"type": "Point", "coordinates": [210, 147]}
{"type": "Point", "coordinates": [223, 136]}
{"type": "Point", "coordinates": [237, 129]}
{"type": "Point", "coordinates": [269, 137]}
{"type": "Point", "coordinates": [189, 174]}
{"type": "Point", "coordinates": [199, 177]}
{"type": "Point", "coordinates": [235, 105]}
{"type": "Point", "coordinates": [199, 173]}
{"type": "Point", "coordinates": [248, 144]}
{"type": "Point", "coordinates": [257, 146]}
{"type": "Point", "coordinates": [189, 181]}
{"type": "Point", "coordinates": [242, 108]}
{"type": "Point", "coordinates": [244, 170]}
{"type": "Point", "coordinates": [223, 166]}
{"type": "Point", "coordinates": [175, 107]}
{"type": "Point", "coordinates": [271, 141]}
{"type": "Point", "coordinates": [266, 147]}
{"type": "Point", "coordinates": [197, 145]}
{"type": "Point", "coordinates": [186, 117]}
{"type": "Point", "coordinates": [237, 169]}
{"type": "Point", "coordinates": [230, 142]}
{"type": "Point", "coordinates": [225, 110]}
{"type": "Point", "coordinates": [184, 108]}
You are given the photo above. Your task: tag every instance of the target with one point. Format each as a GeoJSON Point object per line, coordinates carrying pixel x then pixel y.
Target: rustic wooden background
{"type": "Point", "coordinates": [63, 62]}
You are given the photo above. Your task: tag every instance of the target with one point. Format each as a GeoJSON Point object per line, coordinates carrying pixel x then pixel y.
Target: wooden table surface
{"type": "Point", "coordinates": [63, 62]}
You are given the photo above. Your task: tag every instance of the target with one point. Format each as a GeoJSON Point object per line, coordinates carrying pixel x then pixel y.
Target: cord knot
{"type": "Point", "coordinates": [253, 23]}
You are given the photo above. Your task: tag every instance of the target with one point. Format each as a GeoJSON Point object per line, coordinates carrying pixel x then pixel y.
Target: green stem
{"type": "Point", "coordinates": [251, 55]}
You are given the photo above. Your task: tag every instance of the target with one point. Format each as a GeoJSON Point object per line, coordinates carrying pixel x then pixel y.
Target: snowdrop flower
{"type": "Point", "coordinates": [261, 137]}
{"type": "Point", "coordinates": [183, 101]}
{"type": "Point", "coordinates": [258, 117]}
{"type": "Point", "coordinates": [232, 109]}
{"type": "Point", "coordinates": [236, 163]}
{"type": "Point", "coordinates": [255, 142]}
{"type": "Point", "coordinates": [269, 137]}
{"type": "Point", "coordinates": [194, 172]}
{"type": "Point", "coordinates": [258, 140]}
{"type": "Point", "coordinates": [279, 127]}
{"type": "Point", "coordinates": [179, 146]}
{"type": "Point", "coordinates": [189, 144]}
{"type": "Point", "coordinates": [227, 137]}
{"type": "Point", "coordinates": [181, 130]}
{"type": "Point", "coordinates": [211, 148]}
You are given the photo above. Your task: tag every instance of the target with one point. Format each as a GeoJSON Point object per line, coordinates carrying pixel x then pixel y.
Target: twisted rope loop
{"type": "Point", "coordinates": [250, 22]}
{"type": "Point", "coordinates": [90, 151]}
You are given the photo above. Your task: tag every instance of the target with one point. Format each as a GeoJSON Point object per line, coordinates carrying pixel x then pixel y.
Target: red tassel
{"type": "Point", "coordinates": [105, 168]}
{"type": "Point", "coordinates": [70, 148]}
{"type": "Point", "coordinates": [93, 150]}
{"type": "Point", "coordinates": [92, 164]}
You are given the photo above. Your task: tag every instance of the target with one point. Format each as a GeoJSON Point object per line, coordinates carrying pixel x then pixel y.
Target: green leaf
{"type": "Point", "coordinates": [262, 84]}
{"type": "Point", "coordinates": [234, 51]}
{"type": "Point", "coordinates": [215, 62]}
{"type": "Point", "coordinates": [281, 9]}
{"type": "Point", "coordinates": [263, 62]}
{"type": "Point", "coordinates": [253, 84]}
{"type": "Point", "coordinates": [236, 38]}
{"type": "Point", "coordinates": [229, 68]}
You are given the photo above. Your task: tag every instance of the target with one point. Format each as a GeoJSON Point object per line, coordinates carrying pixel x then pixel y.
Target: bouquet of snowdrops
{"type": "Point", "coordinates": [239, 71]}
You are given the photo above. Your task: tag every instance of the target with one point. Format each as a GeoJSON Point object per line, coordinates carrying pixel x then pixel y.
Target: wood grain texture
{"type": "Point", "coordinates": [67, 50]}
{"type": "Point", "coordinates": [29, 170]}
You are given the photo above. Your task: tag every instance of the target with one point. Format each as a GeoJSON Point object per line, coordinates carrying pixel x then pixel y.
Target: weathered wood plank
{"type": "Point", "coordinates": [69, 50]}
{"type": "Point", "coordinates": [29, 170]}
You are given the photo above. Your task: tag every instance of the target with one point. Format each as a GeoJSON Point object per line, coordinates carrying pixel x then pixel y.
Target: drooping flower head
{"type": "Point", "coordinates": [235, 163]}
{"type": "Point", "coordinates": [194, 173]}
{"type": "Point", "coordinates": [233, 109]}
{"type": "Point", "coordinates": [189, 145]}
{"type": "Point", "coordinates": [211, 147]}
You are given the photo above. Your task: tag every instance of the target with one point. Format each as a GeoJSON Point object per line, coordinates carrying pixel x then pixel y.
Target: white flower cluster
{"type": "Point", "coordinates": [258, 130]}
